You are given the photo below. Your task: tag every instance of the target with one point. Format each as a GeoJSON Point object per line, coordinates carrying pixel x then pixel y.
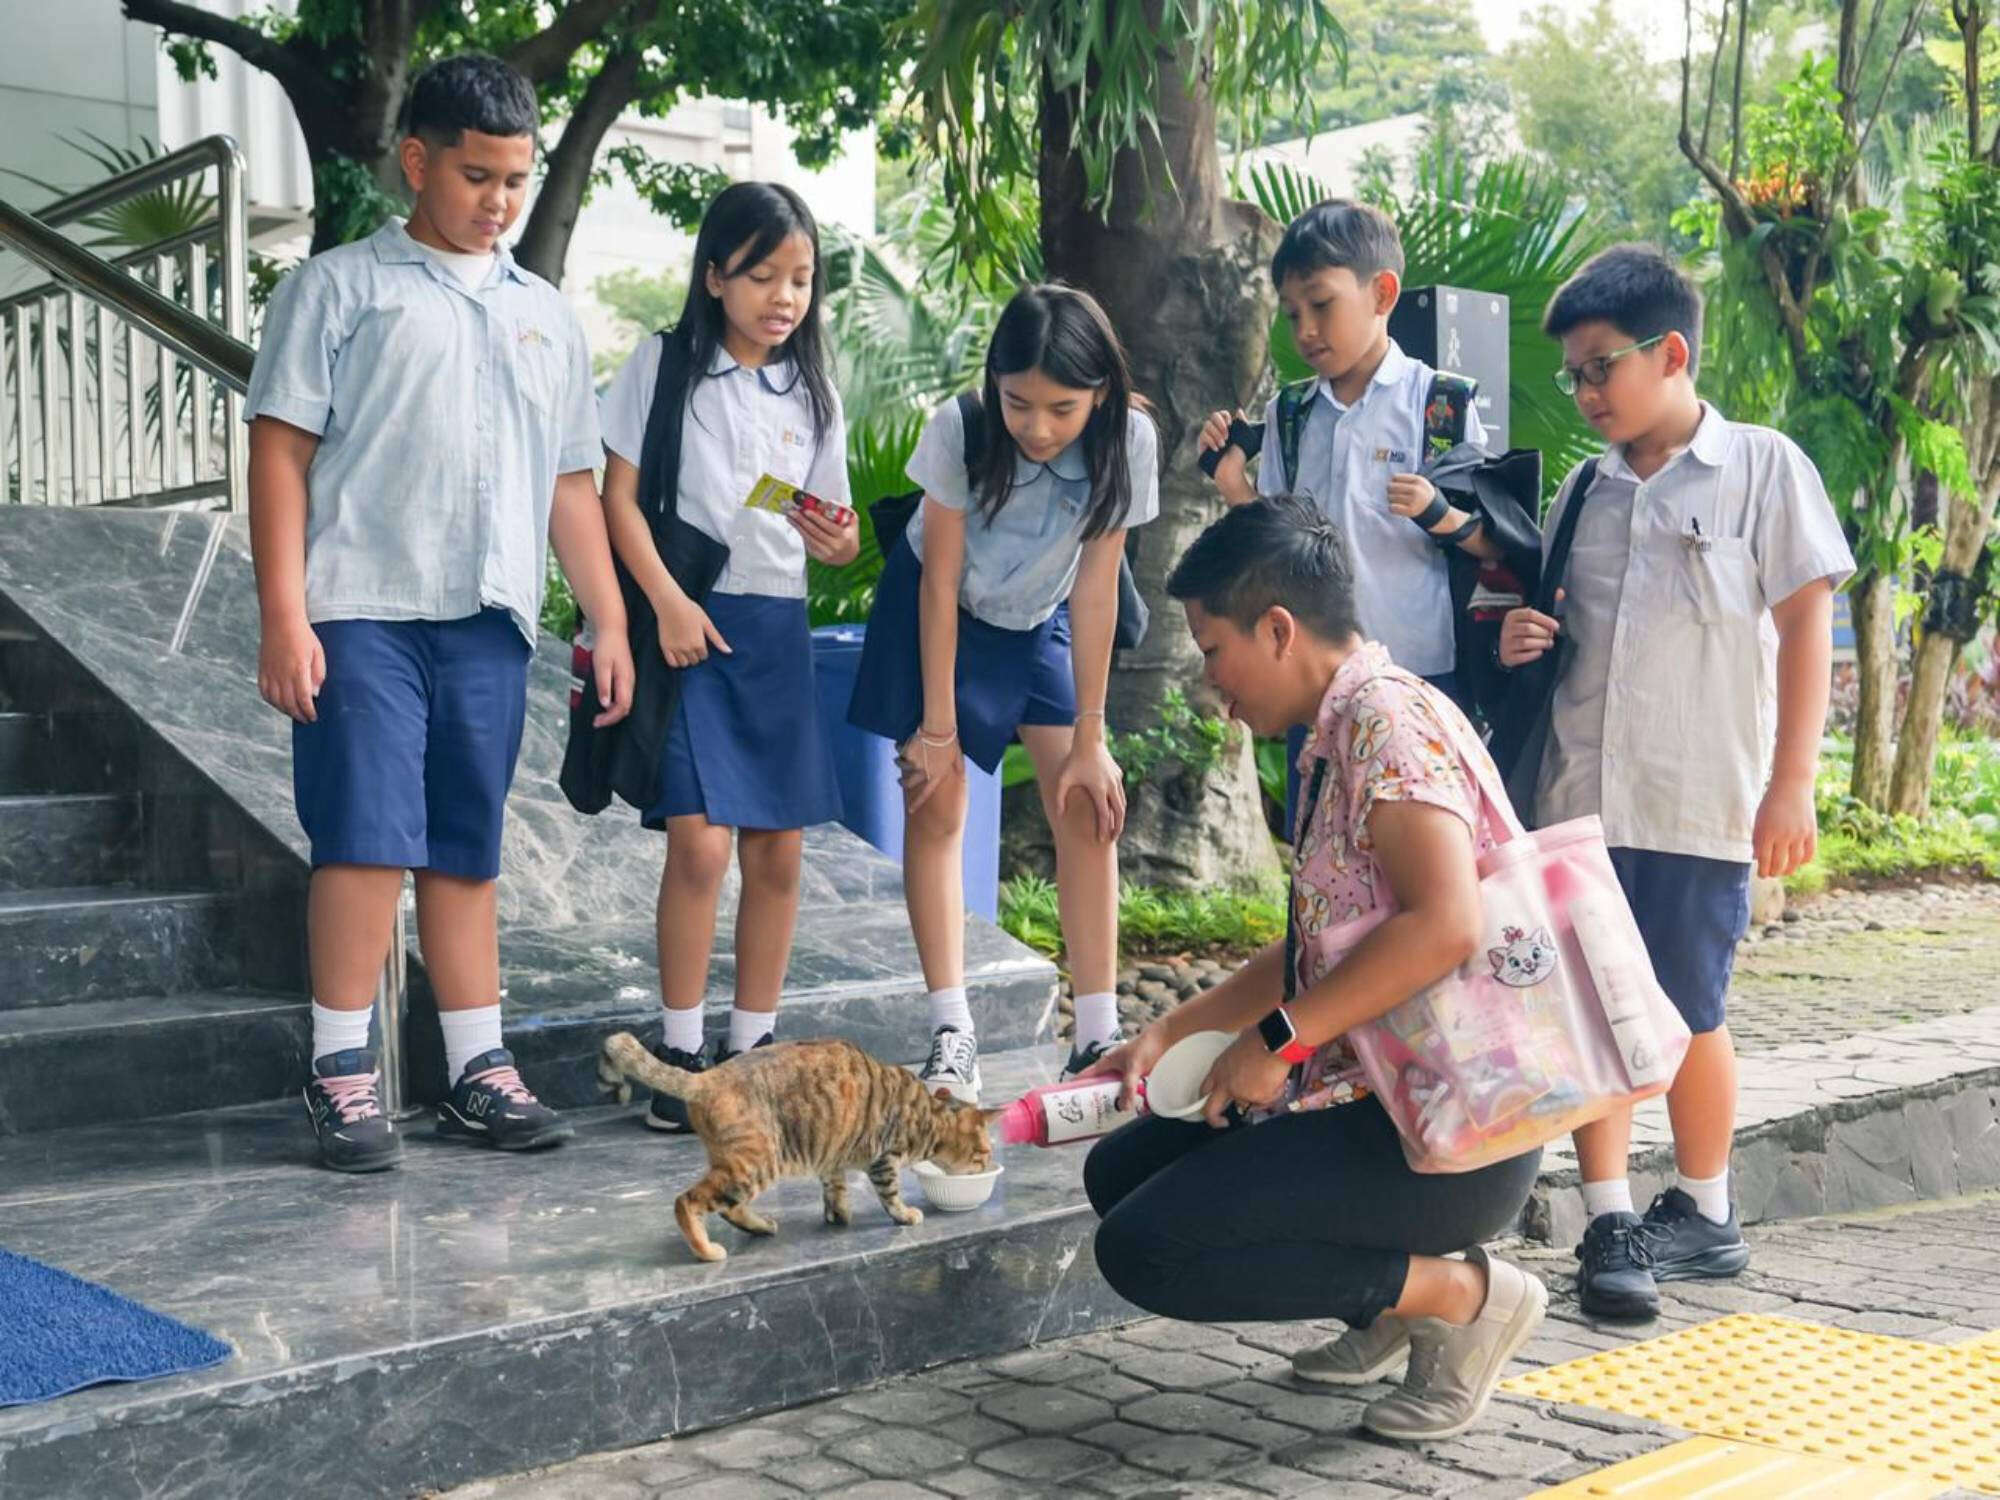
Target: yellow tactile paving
{"type": "Point", "coordinates": [1912, 1409]}
{"type": "Point", "coordinates": [1711, 1469]}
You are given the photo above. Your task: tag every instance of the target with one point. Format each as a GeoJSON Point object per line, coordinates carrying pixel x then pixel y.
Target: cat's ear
{"type": "Point", "coordinates": [944, 1095]}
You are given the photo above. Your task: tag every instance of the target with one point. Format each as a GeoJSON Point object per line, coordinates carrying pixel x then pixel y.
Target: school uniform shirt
{"type": "Point", "coordinates": [1022, 563]}
{"type": "Point", "coordinates": [1402, 588]}
{"type": "Point", "coordinates": [1666, 713]}
{"type": "Point", "coordinates": [740, 425]}
{"type": "Point", "coordinates": [444, 413]}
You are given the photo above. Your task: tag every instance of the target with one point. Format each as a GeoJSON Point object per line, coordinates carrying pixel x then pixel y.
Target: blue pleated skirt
{"type": "Point", "coordinates": [1004, 678]}
{"type": "Point", "coordinates": [747, 748]}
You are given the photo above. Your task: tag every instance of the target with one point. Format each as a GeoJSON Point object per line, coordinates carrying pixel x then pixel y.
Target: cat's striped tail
{"type": "Point", "coordinates": [623, 1060]}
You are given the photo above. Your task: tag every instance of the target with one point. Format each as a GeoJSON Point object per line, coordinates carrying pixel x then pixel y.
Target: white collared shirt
{"type": "Point", "coordinates": [1666, 714]}
{"type": "Point", "coordinates": [444, 412]}
{"type": "Point", "coordinates": [740, 424]}
{"type": "Point", "coordinates": [1021, 564]}
{"type": "Point", "coordinates": [1347, 454]}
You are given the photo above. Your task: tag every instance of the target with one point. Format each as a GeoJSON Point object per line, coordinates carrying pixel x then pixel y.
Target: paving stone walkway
{"type": "Point", "coordinates": [1170, 1411]}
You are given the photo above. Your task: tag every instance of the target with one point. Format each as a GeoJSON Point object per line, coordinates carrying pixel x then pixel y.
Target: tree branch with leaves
{"type": "Point", "coordinates": [1802, 246]}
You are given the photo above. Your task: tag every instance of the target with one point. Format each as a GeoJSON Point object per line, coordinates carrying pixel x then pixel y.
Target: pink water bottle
{"type": "Point", "coordinates": [1077, 1110]}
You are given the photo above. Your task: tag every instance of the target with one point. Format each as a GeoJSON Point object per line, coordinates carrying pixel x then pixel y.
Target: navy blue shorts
{"type": "Point", "coordinates": [1692, 912]}
{"type": "Point", "coordinates": [746, 748]}
{"type": "Point", "coordinates": [1003, 678]}
{"type": "Point", "coordinates": [409, 761]}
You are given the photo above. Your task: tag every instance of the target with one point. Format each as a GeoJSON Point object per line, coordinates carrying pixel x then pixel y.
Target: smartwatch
{"type": "Point", "coordinates": [1281, 1038]}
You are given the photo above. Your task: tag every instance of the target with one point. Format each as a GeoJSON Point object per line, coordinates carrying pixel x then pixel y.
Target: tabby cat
{"type": "Point", "coordinates": [800, 1109]}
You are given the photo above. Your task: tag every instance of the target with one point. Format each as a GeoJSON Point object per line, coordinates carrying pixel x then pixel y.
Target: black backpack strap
{"type": "Point", "coordinates": [1294, 406]}
{"type": "Point", "coordinates": [972, 421]}
{"type": "Point", "coordinates": [1557, 561]}
{"type": "Point", "coordinates": [660, 452]}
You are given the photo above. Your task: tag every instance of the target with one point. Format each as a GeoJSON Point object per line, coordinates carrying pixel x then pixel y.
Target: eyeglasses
{"type": "Point", "coordinates": [1594, 372]}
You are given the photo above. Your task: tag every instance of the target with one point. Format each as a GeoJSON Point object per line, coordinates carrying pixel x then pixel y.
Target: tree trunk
{"type": "Point", "coordinates": [544, 243]}
{"type": "Point", "coordinates": [1873, 599]}
{"type": "Point", "coordinates": [1967, 523]}
{"type": "Point", "coordinates": [1181, 273]}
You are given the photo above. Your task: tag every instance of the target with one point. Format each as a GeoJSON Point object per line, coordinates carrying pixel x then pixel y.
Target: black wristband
{"type": "Point", "coordinates": [1454, 538]}
{"type": "Point", "coordinates": [1433, 513]}
{"type": "Point", "coordinates": [1249, 436]}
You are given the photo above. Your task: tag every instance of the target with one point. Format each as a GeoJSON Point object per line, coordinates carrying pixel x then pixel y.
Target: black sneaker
{"type": "Point", "coordinates": [723, 1054]}
{"type": "Point", "coordinates": [953, 1065]}
{"type": "Point", "coordinates": [1684, 1244]}
{"type": "Point", "coordinates": [668, 1113]}
{"type": "Point", "coordinates": [1083, 1059]}
{"type": "Point", "coordinates": [344, 1103]}
{"type": "Point", "coordinates": [1614, 1276]}
{"type": "Point", "coordinates": [490, 1103]}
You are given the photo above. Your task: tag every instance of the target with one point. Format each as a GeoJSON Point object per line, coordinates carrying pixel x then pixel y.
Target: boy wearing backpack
{"type": "Point", "coordinates": [1697, 559]}
{"type": "Point", "coordinates": [1354, 437]}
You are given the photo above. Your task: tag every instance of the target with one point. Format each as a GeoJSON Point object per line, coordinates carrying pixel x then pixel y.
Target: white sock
{"type": "Point", "coordinates": [749, 1027]}
{"type": "Point", "coordinates": [683, 1031]}
{"type": "Point", "coordinates": [1612, 1196]}
{"type": "Point", "coordinates": [1710, 1194]}
{"type": "Point", "coordinates": [338, 1030]}
{"type": "Point", "coordinates": [1096, 1019]}
{"type": "Point", "coordinates": [467, 1033]}
{"type": "Point", "coordinates": [950, 1008]}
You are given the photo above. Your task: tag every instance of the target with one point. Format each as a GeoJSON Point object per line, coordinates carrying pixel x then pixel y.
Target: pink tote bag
{"type": "Point", "coordinates": [1555, 1021]}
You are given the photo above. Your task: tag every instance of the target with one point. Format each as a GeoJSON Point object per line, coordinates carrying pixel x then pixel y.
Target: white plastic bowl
{"type": "Point", "coordinates": [1173, 1088]}
{"type": "Point", "coordinates": [955, 1192]}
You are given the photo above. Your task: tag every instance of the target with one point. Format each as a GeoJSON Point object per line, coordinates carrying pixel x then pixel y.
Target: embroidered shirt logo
{"type": "Point", "coordinates": [530, 335]}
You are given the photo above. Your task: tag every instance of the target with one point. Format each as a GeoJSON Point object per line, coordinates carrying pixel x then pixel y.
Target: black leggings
{"type": "Point", "coordinates": [1313, 1215]}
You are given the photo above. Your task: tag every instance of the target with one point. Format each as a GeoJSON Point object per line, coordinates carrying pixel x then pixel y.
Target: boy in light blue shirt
{"type": "Point", "coordinates": [422, 426]}
{"type": "Point", "coordinates": [1338, 272]}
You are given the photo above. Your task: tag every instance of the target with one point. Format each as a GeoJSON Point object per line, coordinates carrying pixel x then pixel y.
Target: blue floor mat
{"type": "Point", "coordinates": [59, 1334]}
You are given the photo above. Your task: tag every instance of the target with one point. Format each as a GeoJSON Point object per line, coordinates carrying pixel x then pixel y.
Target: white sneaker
{"type": "Point", "coordinates": [1360, 1356]}
{"type": "Point", "coordinates": [953, 1065]}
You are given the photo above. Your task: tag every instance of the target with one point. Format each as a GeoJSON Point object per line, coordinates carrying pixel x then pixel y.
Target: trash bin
{"type": "Point", "coordinates": [865, 765]}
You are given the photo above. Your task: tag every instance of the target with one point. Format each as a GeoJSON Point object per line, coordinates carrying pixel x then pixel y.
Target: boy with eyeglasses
{"type": "Point", "coordinates": [1698, 611]}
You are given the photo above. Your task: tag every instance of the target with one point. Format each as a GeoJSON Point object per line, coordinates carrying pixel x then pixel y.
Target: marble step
{"type": "Point", "coordinates": [82, 751]}
{"type": "Point", "coordinates": [549, 1295]}
{"type": "Point", "coordinates": [38, 677]}
{"type": "Point", "coordinates": [851, 974]}
{"type": "Point", "coordinates": [26, 752]}
{"type": "Point", "coordinates": [59, 946]}
{"type": "Point", "coordinates": [100, 1061]}
{"type": "Point", "coordinates": [68, 839]}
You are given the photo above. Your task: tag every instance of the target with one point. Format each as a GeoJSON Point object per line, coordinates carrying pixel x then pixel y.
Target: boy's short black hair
{"type": "Point", "coordinates": [1338, 233]}
{"type": "Point", "coordinates": [469, 92]}
{"type": "Point", "coordinates": [1275, 551]}
{"type": "Point", "coordinates": [1637, 289]}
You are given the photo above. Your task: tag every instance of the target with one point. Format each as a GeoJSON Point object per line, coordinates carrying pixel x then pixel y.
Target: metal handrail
{"type": "Point", "coordinates": [195, 339]}
{"type": "Point", "coordinates": [128, 260]}
{"type": "Point", "coordinates": [180, 333]}
{"type": "Point", "coordinates": [218, 151]}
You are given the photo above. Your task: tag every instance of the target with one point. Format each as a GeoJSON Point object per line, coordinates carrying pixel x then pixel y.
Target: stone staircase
{"type": "Point", "coordinates": [154, 1030]}
{"type": "Point", "coordinates": [137, 972]}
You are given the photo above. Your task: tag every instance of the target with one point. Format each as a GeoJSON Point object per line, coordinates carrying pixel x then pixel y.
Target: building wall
{"type": "Point", "coordinates": [69, 68]}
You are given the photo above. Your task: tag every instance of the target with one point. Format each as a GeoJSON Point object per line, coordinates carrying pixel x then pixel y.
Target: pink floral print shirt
{"type": "Point", "coordinates": [1388, 736]}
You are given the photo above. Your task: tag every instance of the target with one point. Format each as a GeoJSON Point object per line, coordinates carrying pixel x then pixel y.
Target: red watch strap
{"type": "Point", "coordinates": [1296, 1051]}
